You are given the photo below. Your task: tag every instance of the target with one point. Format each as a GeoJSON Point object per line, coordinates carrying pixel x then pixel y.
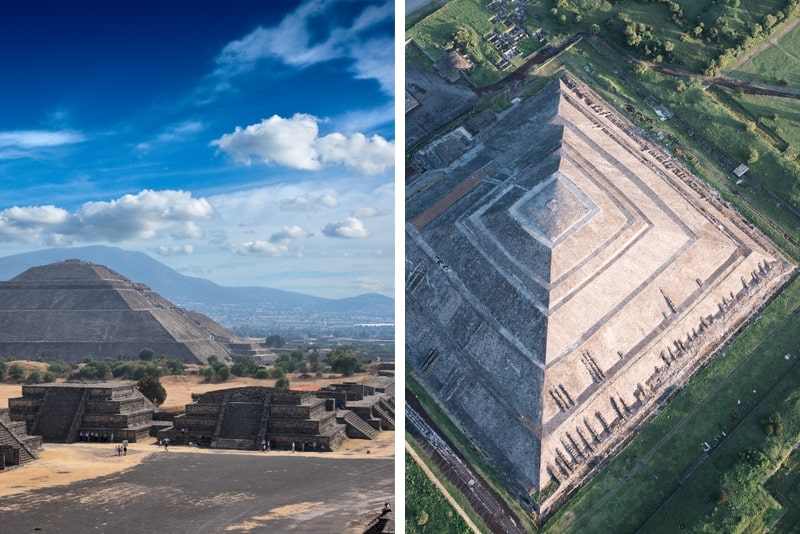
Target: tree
{"type": "Point", "coordinates": [282, 382]}
{"type": "Point", "coordinates": [275, 341]}
{"type": "Point", "coordinates": [147, 355]}
{"type": "Point", "coordinates": [3, 369]}
{"type": "Point", "coordinates": [244, 366]}
{"type": "Point", "coordinates": [342, 361]}
{"type": "Point", "coordinates": [151, 387]}
{"type": "Point", "coordinates": [752, 156]}
{"type": "Point", "coordinates": [34, 378]}
{"type": "Point", "coordinates": [16, 373]}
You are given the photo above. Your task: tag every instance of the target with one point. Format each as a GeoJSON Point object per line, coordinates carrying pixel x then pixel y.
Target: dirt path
{"type": "Point", "coordinates": [460, 511]}
{"type": "Point", "coordinates": [772, 41]}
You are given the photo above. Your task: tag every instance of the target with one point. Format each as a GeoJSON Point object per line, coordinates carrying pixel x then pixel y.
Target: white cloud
{"type": "Point", "coordinates": [39, 138]}
{"type": "Point", "coordinates": [351, 228]}
{"type": "Point", "coordinates": [366, 213]}
{"type": "Point", "coordinates": [309, 202]}
{"type": "Point", "coordinates": [141, 216]}
{"type": "Point", "coordinates": [172, 134]}
{"type": "Point", "coordinates": [20, 144]}
{"type": "Point", "coordinates": [175, 250]}
{"type": "Point", "coordinates": [259, 248]}
{"type": "Point", "coordinates": [294, 43]}
{"type": "Point", "coordinates": [365, 155]}
{"type": "Point", "coordinates": [289, 233]}
{"type": "Point", "coordinates": [295, 143]}
{"type": "Point", "coordinates": [288, 142]}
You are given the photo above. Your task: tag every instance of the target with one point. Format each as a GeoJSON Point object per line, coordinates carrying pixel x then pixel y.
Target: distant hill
{"type": "Point", "coordinates": [258, 307]}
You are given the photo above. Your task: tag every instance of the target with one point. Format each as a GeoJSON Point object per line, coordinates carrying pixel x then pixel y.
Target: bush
{"type": "Point", "coordinates": [342, 361]}
{"type": "Point", "coordinates": [147, 355]}
{"type": "Point", "coordinates": [275, 341]}
{"type": "Point", "coordinates": [244, 366]}
{"type": "Point", "coordinates": [16, 373]}
{"type": "Point", "coordinates": [59, 368]}
{"type": "Point", "coordinates": [34, 378]}
{"type": "Point", "coordinates": [151, 387]}
{"type": "Point", "coordinates": [282, 382]}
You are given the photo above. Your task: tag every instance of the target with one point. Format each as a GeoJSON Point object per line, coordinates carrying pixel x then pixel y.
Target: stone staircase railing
{"type": "Point", "coordinates": [220, 418]}
{"type": "Point", "coordinates": [76, 420]}
{"type": "Point", "coordinates": [357, 426]}
{"type": "Point", "coordinates": [387, 421]}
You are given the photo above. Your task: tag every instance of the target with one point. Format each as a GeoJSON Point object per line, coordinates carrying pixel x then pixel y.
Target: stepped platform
{"type": "Point", "coordinates": [356, 427]}
{"type": "Point", "coordinates": [17, 447]}
{"type": "Point", "coordinates": [72, 411]}
{"type": "Point", "coordinates": [563, 275]}
{"type": "Point", "coordinates": [249, 417]}
{"type": "Point", "coordinates": [68, 310]}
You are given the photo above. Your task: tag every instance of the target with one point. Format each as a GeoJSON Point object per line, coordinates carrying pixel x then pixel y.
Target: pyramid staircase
{"type": "Point", "coordinates": [386, 414]}
{"type": "Point", "coordinates": [356, 426]}
{"type": "Point", "coordinates": [59, 414]}
{"type": "Point", "coordinates": [16, 446]}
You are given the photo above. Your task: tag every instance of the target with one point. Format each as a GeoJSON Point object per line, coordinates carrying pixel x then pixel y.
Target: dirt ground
{"type": "Point", "coordinates": [180, 387]}
{"type": "Point", "coordinates": [65, 464]}
{"type": "Point", "coordinates": [84, 487]}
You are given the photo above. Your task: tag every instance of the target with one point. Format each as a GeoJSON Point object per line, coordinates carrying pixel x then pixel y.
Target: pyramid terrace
{"type": "Point", "coordinates": [564, 275]}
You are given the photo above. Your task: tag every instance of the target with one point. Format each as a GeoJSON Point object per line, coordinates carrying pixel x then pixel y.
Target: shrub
{"type": "Point", "coordinates": [151, 387]}
{"type": "Point", "coordinates": [35, 377]}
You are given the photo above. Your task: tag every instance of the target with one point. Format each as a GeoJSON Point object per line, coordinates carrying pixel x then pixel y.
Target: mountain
{"type": "Point", "coordinates": [259, 307]}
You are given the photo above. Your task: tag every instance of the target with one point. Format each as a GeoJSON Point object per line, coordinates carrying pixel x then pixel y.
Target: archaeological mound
{"type": "Point", "coordinates": [563, 275]}
{"type": "Point", "coordinates": [73, 309]}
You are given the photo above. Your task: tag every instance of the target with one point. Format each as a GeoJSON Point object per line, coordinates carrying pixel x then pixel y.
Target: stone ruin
{"type": "Point", "coordinates": [563, 275]}
{"type": "Point", "coordinates": [16, 446]}
{"type": "Point", "coordinates": [246, 418]}
{"type": "Point", "coordinates": [71, 309]}
{"type": "Point", "coordinates": [239, 418]}
{"type": "Point", "coordinates": [66, 412]}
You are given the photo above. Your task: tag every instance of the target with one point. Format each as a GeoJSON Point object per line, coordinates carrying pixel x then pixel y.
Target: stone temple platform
{"type": "Point", "coordinates": [563, 274]}
{"type": "Point", "coordinates": [103, 411]}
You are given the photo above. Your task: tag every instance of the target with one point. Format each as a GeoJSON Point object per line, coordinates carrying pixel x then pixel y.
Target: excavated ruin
{"type": "Point", "coordinates": [563, 275]}
{"type": "Point", "coordinates": [73, 309]}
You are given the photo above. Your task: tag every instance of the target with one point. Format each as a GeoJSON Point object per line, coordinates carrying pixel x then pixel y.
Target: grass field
{"type": "Point", "coordinates": [664, 477]}
{"type": "Point", "coordinates": [427, 511]}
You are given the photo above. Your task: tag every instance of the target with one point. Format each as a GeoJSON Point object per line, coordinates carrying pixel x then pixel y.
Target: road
{"type": "Point", "coordinates": [494, 512]}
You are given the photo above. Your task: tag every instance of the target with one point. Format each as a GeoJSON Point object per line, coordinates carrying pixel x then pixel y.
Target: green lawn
{"type": "Point", "coordinates": [656, 467]}
{"type": "Point", "coordinates": [427, 511]}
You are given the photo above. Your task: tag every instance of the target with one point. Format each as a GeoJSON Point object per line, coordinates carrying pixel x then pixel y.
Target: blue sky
{"type": "Point", "coordinates": [247, 142]}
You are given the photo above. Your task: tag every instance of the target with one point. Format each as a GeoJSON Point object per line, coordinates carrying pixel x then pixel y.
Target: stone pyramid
{"type": "Point", "coordinates": [71, 309]}
{"type": "Point", "coordinates": [561, 276]}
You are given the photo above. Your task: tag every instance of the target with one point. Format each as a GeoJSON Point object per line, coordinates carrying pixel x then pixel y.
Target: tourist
{"type": "Point", "coordinates": [293, 447]}
{"type": "Point", "coordinates": [263, 445]}
{"type": "Point", "coordinates": [166, 444]}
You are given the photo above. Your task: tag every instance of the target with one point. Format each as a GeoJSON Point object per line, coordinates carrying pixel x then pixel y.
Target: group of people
{"type": "Point", "coordinates": [122, 448]}
{"type": "Point", "coordinates": [95, 436]}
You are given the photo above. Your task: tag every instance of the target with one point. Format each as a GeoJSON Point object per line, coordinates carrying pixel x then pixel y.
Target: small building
{"type": "Point", "coordinates": [74, 411]}
{"type": "Point", "coordinates": [247, 417]}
